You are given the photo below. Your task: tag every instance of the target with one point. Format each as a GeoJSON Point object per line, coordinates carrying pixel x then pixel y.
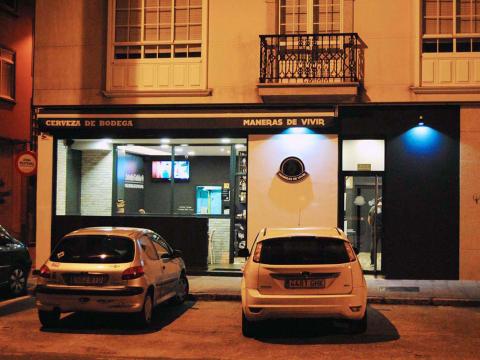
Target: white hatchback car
{"type": "Point", "coordinates": [107, 269]}
{"type": "Point", "coordinates": [302, 272]}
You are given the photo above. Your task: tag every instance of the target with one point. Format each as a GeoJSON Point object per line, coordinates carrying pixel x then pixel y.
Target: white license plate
{"type": "Point", "coordinates": [88, 279]}
{"type": "Point", "coordinates": [305, 283]}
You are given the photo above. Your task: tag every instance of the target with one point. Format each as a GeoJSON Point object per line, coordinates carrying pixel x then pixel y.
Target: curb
{"type": "Point", "coordinates": [370, 300]}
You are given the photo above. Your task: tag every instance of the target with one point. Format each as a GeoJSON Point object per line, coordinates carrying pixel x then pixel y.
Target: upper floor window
{"type": "Point", "coordinates": [157, 47]}
{"type": "Point", "coordinates": [451, 26]}
{"type": "Point", "coordinates": [158, 29]}
{"type": "Point", "coordinates": [7, 74]}
{"type": "Point", "coordinates": [309, 16]}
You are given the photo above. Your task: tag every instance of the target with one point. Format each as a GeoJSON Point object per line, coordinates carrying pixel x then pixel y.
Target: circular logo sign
{"type": "Point", "coordinates": [292, 169]}
{"type": "Point", "coordinates": [26, 163]}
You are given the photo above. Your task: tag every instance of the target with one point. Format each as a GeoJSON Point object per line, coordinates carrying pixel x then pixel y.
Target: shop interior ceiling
{"type": "Point", "coordinates": [163, 147]}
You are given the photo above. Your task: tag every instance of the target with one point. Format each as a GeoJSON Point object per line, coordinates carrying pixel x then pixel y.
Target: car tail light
{"type": "Point", "coordinates": [133, 273]}
{"type": "Point", "coordinates": [350, 252]}
{"type": "Point", "coordinates": [45, 272]}
{"type": "Point", "coordinates": [256, 254]}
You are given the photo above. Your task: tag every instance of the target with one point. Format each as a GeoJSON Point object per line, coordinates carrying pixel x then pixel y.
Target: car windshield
{"type": "Point", "coordinates": [94, 249]}
{"type": "Point", "coordinates": [300, 250]}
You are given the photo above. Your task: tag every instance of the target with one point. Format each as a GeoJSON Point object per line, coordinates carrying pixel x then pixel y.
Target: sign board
{"type": "Point", "coordinates": [26, 163]}
{"type": "Point", "coordinates": [364, 167]}
{"type": "Point", "coordinates": [265, 121]}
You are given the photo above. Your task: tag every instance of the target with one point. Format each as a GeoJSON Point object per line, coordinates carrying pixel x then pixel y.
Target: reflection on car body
{"type": "Point", "coordinates": [108, 269]}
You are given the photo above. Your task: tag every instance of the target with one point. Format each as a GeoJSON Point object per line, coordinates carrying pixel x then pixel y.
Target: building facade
{"type": "Point", "coordinates": [16, 82]}
{"type": "Point", "coordinates": [209, 120]}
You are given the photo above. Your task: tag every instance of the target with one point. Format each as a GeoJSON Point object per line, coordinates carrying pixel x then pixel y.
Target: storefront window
{"type": "Point", "coordinates": [165, 177]}
{"type": "Point", "coordinates": [363, 155]}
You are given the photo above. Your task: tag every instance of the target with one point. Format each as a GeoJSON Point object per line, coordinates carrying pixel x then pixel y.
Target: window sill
{"type": "Point", "coordinates": [165, 93]}
{"type": "Point", "coordinates": [467, 89]}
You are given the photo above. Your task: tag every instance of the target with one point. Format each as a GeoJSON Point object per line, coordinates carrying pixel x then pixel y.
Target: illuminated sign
{"type": "Point", "coordinates": [292, 169]}
{"type": "Point", "coordinates": [140, 123]}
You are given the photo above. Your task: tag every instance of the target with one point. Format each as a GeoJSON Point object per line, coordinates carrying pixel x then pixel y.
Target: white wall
{"type": "Point", "coordinates": [469, 192]}
{"type": "Point", "coordinates": [61, 178]}
{"type": "Point", "coordinates": [97, 173]}
{"type": "Point", "coordinates": [44, 199]}
{"type": "Point", "coordinates": [273, 202]}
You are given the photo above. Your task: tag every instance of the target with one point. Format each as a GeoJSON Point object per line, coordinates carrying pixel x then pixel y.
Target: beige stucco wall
{"type": "Point", "coordinates": [469, 191]}
{"type": "Point", "coordinates": [70, 49]}
{"type": "Point", "coordinates": [44, 199]}
{"type": "Point", "coordinates": [273, 202]}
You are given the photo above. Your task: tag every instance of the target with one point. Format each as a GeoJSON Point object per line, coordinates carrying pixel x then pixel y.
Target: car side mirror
{"type": "Point", "coordinates": [177, 253]}
{"type": "Point", "coordinates": [357, 251]}
{"type": "Point", "coordinates": [244, 253]}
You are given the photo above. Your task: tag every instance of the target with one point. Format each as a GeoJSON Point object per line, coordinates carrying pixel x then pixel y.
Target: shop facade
{"type": "Point", "coordinates": [208, 178]}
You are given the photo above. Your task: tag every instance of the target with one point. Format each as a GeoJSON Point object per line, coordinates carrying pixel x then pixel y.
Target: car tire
{"type": "Point", "coordinates": [144, 317]}
{"type": "Point", "coordinates": [249, 328]}
{"type": "Point", "coordinates": [182, 290]}
{"type": "Point", "coordinates": [17, 281]}
{"type": "Point", "coordinates": [49, 319]}
{"type": "Point", "coordinates": [359, 326]}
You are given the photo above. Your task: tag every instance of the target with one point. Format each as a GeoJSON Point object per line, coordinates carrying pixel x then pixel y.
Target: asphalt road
{"type": "Point", "coordinates": [211, 330]}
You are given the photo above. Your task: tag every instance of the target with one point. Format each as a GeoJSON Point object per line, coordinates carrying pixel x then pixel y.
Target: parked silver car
{"type": "Point", "coordinates": [107, 269]}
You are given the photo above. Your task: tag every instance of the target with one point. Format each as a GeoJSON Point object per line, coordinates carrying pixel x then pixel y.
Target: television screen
{"type": "Point", "coordinates": [163, 170]}
{"type": "Point", "coordinates": [181, 170]}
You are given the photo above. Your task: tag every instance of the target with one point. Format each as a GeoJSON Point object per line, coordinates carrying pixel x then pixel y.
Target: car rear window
{"type": "Point", "coordinates": [300, 250]}
{"type": "Point", "coordinates": [94, 249]}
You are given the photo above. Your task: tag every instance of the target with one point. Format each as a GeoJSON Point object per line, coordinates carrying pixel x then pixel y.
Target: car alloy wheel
{"type": "Point", "coordinates": [182, 289]}
{"type": "Point", "coordinates": [17, 281]}
{"type": "Point", "coordinates": [143, 318]}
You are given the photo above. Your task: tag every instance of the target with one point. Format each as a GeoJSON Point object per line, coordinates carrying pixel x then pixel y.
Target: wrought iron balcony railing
{"type": "Point", "coordinates": [310, 58]}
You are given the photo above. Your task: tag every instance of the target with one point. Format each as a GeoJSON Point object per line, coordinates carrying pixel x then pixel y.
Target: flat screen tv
{"type": "Point", "coordinates": [162, 170]}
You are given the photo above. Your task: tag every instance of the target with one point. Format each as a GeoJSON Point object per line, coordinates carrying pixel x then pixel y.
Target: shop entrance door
{"type": "Point", "coordinates": [363, 218]}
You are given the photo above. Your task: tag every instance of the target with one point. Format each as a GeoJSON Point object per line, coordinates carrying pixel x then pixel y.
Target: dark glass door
{"type": "Point", "coordinates": [362, 220]}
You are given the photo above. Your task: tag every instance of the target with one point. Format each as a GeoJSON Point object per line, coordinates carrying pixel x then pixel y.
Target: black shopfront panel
{"type": "Point", "coordinates": [421, 186]}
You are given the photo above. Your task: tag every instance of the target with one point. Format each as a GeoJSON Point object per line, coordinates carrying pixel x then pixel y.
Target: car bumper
{"type": "Point", "coordinates": [67, 299]}
{"type": "Point", "coordinates": [257, 306]}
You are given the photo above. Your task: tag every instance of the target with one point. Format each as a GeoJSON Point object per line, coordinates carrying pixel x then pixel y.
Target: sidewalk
{"type": "Point", "coordinates": [380, 291]}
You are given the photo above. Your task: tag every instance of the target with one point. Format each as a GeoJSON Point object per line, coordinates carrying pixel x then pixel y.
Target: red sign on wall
{"type": "Point", "coordinates": [26, 163]}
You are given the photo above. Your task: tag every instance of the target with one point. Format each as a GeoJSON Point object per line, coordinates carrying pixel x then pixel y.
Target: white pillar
{"type": "Point", "coordinates": [44, 199]}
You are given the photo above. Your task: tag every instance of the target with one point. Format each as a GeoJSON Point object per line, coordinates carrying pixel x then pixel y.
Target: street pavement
{"type": "Point", "coordinates": [212, 330]}
{"type": "Point", "coordinates": [380, 291]}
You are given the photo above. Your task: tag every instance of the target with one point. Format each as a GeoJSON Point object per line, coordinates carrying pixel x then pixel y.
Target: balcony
{"type": "Point", "coordinates": [310, 67]}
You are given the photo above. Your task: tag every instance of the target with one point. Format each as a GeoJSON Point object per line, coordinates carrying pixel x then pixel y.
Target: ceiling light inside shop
{"type": "Point", "coordinates": [239, 146]}
{"type": "Point", "coordinates": [178, 150]}
{"type": "Point", "coordinates": [191, 153]}
{"type": "Point", "coordinates": [165, 141]}
{"type": "Point", "coordinates": [164, 146]}
{"type": "Point", "coordinates": [226, 141]}
{"type": "Point", "coordinates": [143, 150]}
{"type": "Point", "coordinates": [184, 145]}
{"type": "Point", "coordinates": [222, 149]}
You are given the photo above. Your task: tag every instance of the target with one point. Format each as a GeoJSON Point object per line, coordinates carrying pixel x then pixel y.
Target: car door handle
{"type": "Point", "coordinates": [163, 267]}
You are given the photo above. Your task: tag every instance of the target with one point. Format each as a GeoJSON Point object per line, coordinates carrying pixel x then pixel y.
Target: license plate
{"type": "Point", "coordinates": [304, 284]}
{"type": "Point", "coordinates": [88, 279]}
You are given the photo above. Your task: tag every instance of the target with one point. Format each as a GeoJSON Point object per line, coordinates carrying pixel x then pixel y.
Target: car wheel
{"type": "Point", "coordinates": [144, 317]}
{"type": "Point", "coordinates": [49, 318]}
{"type": "Point", "coordinates": [17, 281]}
{"type": "Point", "coordinates": [249, 328]}
{"type": "Point", "coordinates": [182, 290]}
{"type": "Point", "coordinates": [359, 326]}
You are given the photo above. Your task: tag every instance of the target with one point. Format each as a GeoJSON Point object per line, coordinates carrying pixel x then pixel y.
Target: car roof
{"type": "Point", "coordinates": [322, 232]}
{"type": "Point", "coordinates": [130, 232]}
